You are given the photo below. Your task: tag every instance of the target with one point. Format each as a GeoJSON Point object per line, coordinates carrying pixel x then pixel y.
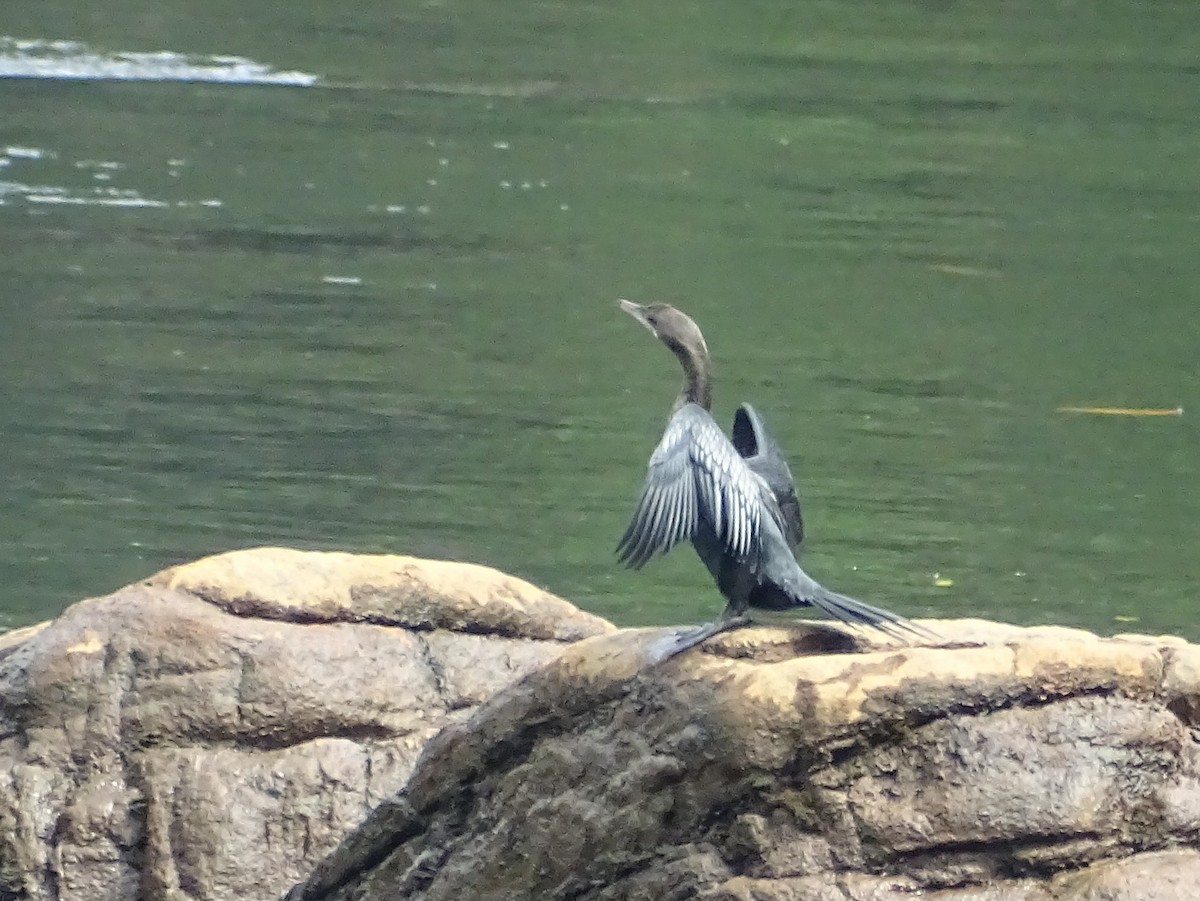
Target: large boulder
{"type": "Point", "coordinates": [998, 764]}
{"type": "Point", "coordinates": [214, 731]}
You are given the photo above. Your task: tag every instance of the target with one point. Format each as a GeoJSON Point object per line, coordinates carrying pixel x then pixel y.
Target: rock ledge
{"type": "Point", "coordinates": [214, 731]}
{"type": "Point", "coordinates": [1005, 764]}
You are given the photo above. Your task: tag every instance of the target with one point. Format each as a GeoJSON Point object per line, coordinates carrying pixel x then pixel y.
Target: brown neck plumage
{"type": "Point", "coordinates": [697, 377]}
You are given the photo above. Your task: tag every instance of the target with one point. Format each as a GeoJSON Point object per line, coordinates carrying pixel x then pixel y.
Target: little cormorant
{"type": "Point", "coordinates": [734, 500]}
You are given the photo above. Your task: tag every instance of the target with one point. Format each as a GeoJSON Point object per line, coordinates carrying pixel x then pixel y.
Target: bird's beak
{"type": "Point", "coordinates": [638, 313]}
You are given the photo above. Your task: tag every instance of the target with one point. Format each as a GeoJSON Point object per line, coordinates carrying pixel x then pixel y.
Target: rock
{"type": "Point", "coordinates": [999, 764]}
{"type": "Point", "coordinates": [214, 731]}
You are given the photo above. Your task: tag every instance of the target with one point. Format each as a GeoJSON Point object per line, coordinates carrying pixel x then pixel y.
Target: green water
{"type": "Point", "coordinates": [379, 314]}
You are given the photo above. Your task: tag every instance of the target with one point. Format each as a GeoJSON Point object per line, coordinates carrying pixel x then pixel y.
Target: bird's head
{"type": "Point", "coordinates": [672, 327]}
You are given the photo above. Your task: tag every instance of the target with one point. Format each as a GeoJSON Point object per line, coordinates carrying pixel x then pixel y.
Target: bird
{"type": "Point", "coordinates": [733, 498]}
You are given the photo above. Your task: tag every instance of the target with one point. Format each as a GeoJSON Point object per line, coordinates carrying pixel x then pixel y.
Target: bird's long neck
{"type": "Point", "coordinates": [697, 378]}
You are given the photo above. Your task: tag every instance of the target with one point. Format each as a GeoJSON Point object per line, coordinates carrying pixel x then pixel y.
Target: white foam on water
{"type": "Point", "coordinates": [75, 61]}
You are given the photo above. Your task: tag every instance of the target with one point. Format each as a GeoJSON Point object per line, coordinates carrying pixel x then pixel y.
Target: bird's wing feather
{"type": "Point", "coordinates": [695, 480]}
{"type": "Point", "coordinates": [756, 446]}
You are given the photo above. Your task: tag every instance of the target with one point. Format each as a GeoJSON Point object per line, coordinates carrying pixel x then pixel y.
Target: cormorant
{"type": "Point", "coordinates": [734, 500]}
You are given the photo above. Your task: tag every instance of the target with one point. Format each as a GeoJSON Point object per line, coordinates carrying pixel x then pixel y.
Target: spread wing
{"type": "Point", "coordinates": [696, 480]}
{"type": "Point", "coordinates": [765, 459]}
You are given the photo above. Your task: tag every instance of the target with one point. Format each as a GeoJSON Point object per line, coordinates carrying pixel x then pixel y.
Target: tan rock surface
{"type": "Point", "coordinates": [1036, 764]}
{"type": "Point", "coordinates": [214, 731]}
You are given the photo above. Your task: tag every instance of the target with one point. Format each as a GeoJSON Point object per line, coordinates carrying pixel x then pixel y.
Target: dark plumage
{"type": "Point", "coordinates": [734, 500]}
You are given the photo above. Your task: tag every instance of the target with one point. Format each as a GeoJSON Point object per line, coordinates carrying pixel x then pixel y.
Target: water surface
{"type": "Point", "coordinates": [374, 309]}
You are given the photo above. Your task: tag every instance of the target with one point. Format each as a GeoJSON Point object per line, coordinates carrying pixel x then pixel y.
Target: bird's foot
{"type": "Point", "coordinates": [680, 640]}
{"type": "Point", "coordinates": [727, 622]}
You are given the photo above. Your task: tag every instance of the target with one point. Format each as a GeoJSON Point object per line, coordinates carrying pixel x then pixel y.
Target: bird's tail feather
{"type": "Point", "coordinates": [856, 613]}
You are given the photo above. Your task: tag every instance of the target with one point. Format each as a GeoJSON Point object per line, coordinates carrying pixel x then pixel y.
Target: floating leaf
{"type": "Point", "coordinates": [1125, 411]}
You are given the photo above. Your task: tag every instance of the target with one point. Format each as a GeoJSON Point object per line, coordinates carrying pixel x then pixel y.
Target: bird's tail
{"type": "Point", "coordinates": [856, 613]}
